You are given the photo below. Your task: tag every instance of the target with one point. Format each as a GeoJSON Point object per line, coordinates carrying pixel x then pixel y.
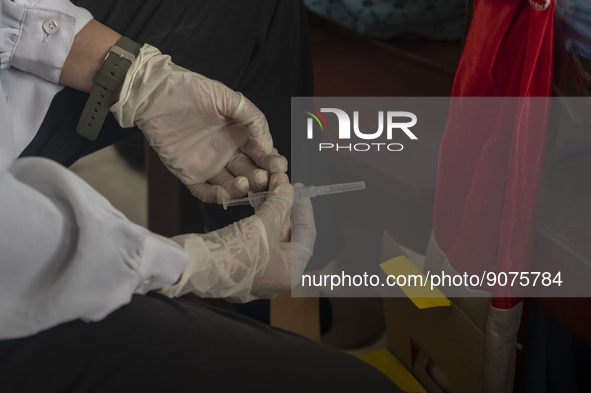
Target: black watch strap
{"type": "Point", "coordinates": [107, 84]}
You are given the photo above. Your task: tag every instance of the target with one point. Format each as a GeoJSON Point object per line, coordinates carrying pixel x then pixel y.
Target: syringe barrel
{"type": "Point", "coordinates": [258, 198]}
{"type": "Point", "coordinates": [302, 192]}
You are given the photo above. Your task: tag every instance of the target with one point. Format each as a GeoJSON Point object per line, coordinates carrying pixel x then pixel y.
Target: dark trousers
{"type": "Point", "coordinates": [156, 344]}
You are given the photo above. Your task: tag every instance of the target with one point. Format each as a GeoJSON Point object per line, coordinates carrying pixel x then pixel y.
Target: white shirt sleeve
{"type": "Point", "coordinates": [65, 252]}
{"type": "Point", "coordinates": [37, 35]}
{"type": "Point", "coordinates": [35, 39]}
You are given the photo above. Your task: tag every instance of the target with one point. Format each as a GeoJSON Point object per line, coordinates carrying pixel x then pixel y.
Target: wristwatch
{"type": "Point", "coordinates": [107, 84]}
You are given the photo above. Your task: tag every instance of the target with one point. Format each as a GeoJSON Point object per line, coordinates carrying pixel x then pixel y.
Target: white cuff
{"type": "Point", "coordinates": [162, 263]}
{"type": "Point", "coordinates": [37, 35]}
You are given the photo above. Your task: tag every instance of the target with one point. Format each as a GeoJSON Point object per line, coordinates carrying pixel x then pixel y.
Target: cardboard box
{"type": "Point", "coordinates": [440, 346]}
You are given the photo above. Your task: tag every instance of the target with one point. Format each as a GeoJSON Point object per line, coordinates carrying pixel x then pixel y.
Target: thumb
{"type": "Point", "coordinates": [276, 209]}
{"type": "Point", "coordinates": [249, 116]}
{"type": "Point", "coordinates": [304, 226]}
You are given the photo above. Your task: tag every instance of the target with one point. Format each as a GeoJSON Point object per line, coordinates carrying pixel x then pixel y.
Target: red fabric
{"type": "Point", "coordinates": [493, 151]}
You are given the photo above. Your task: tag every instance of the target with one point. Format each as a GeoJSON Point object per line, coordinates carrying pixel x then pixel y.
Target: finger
{"type": "Point", "coordinates": [242, 165]}
{"type": "Point", "coordinates": [276, 209]}
{"type": "Point", "coordinates": [276, 179]}
{"type": "Point", "coordinates": [237, 187]}
{"type": "Point", "coordinates": [285, 234]}
{"type": "Point", "coordinates": [299, 258]}
{"type": "Point", "coordinates": [210, 193]}
{"type": "Point", "coordinates": [272, 162]}
{"type": "Point", "coordinates": [278, 163]}
{"type": "Point", "coordinates": [304, 227]}
{"type": "Point", "coordinates": [260, 145]}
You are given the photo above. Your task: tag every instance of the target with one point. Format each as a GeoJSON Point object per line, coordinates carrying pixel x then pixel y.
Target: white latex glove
{"type": "Point", "coordinates": [210, 137]}
{"type": "Point", "coordinates": [254, 257]}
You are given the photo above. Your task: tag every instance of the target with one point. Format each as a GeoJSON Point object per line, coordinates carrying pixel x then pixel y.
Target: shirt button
{"type": "Point", "coordinates": [50, 26]}
{"type": "Point", "coordinates": [144, 286]}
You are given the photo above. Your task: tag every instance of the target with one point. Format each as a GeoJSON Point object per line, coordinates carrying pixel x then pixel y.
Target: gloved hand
{"type": "Point", "coordinates": [202, 130]}
{"type": "Point", "coordinates": [254, 257]}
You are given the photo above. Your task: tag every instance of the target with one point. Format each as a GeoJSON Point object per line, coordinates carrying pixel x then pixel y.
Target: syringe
{"type": "Point", "coordinates": [255, 199]}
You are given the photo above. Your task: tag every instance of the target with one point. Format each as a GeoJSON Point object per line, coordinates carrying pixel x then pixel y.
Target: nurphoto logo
{"type": "Point", "coordinates": [395, 124]}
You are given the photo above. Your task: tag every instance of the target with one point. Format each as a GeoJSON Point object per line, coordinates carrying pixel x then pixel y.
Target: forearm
{"type": "Point", "coordinates": [91, 46]}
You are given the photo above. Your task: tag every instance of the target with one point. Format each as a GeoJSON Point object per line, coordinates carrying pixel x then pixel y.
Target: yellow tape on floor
{"type": "Point", "coordinates": [384, 361]}
{"type": "Point", "coordinates": [419, 291]}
